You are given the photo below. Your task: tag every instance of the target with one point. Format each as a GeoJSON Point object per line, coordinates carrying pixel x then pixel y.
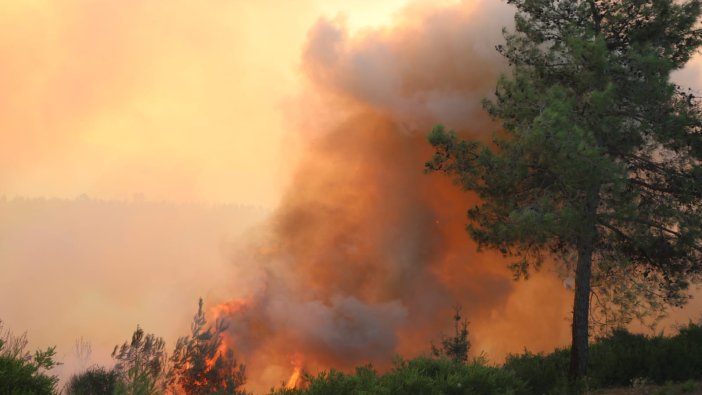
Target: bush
{"type": "Point", "coordinates": [23, 374]}
{"type": "Point", "coordinates": [416, 376]}
{"type": "Point", "coordinates": [441, 376]}
{"type": "Point", "coordinates": [617, 360]}
{"type": "Point", "coordinates": [542, 374]}
{"type": "Point", "coordinates": [622, 357]}
{"type": "Point", "coordinates": [95, 380]}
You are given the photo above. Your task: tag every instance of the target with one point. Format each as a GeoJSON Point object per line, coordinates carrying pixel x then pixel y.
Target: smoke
{"type": "Point", "coordinates": [163, 98]}
{"type": "Point", "coordinates": [366, 255]}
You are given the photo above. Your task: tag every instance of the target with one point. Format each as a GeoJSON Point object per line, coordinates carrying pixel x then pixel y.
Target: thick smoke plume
{"type": "Point", "coordinates": [366, 256]}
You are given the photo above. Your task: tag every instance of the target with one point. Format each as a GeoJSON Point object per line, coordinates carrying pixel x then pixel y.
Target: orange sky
{"type": "Point", "coordinates": [179, 100]}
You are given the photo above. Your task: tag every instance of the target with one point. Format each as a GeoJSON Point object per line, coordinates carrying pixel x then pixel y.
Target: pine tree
{"type": "Point", "coordinates": [597, 163]}
{"type": "Point", "coordinates": [141, 364]}
{"type": "Point", "coordinates": [455, 347]}
{"type": "Point", "coordinates": [201, 365]}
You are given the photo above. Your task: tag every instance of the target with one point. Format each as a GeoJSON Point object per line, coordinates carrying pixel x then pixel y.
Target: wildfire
{"type": "Point", "coordinates": [220, 353]}
{"type": "Point", "coordinates": [218, 312]}
{"type": "Point", "coordinates": [294, 380]}
{"type": "Point", "coordinates": [229, 308]}
{"type": "Point", "coordinates": [365, 256]}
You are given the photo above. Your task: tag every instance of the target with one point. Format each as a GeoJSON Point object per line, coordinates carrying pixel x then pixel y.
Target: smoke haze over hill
{"type": "Point", "coordinates": [95, 269]}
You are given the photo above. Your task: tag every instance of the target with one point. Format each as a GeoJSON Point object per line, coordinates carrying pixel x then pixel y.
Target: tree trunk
{"type": "Point", "coordinates": [581, 301]}
{"type": "Point", "coordinates": [581, 310]}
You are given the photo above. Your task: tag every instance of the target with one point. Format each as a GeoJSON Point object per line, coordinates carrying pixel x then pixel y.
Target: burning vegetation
{"type": "Point", "coordinates": [366, 254]}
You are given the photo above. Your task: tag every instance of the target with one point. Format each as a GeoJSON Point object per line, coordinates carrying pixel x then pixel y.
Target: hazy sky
{"type": "Point", "coordinates": [179, 100]}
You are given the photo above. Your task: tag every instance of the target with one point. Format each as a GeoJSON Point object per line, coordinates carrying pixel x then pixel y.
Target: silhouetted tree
{"type": "Point", "coordinates": [455, 347]}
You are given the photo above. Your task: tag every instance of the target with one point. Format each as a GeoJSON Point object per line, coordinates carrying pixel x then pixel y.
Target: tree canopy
{"type": "Point", "coordinates": [140, 364]}
{"type": "Point", "coordinates": [22, 372]}
{"type": "Point", "coordinates": [597, 163]}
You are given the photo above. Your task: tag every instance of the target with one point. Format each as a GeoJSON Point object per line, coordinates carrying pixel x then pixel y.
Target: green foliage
{"type": "Point", "coordinates": [599, 160]}
{"type": "Point", "coordinates": [688, 386]}
{"type": "Point", "coordinates": [589, 108]}
{"type": "Point", "coordinates": [20, 372]}
{"type": "Point", "coordinates": [621, 357]}
{"type": "Point", "coordinates": [95, 380]}
{"type": "Point", "coordinates": [543, 374]}
{"type": "Point", "coordinates": [18, 376]}
{"type": "Point", "coordinates": [198, 364]}
{"type": "Point", "coordinates": [618, 360]}
{"type": "Point", "coordinates": [416, 376]}
{"type": "Point", "coordinates": [140, 364]}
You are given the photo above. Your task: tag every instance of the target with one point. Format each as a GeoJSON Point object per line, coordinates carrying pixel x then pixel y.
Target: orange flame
{"type": "Point", "coordinates": [221, 352]}
{"type": "Point", "coordinates": [223, 310]}
{"type": "Point", "coordinates": [294, 380]}
{"type": "Point", "coordinates": [228, 308]}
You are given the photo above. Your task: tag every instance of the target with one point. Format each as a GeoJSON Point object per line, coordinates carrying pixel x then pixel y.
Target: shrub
{"type": "Point", "coordinates": [24, 374]}
{"type": "Point", "coordinates": [416, 376]}
{"type": "Point", "coordinates": [95, 380]}
{"type": "Point", "coordinates": [542, 374]}
{"type": "Point", "coordinates": [20, 371]}
{"type": "Point", "coordinates": [619, 358]}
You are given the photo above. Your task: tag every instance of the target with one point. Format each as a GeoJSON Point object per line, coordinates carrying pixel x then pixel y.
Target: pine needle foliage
{"type": "Point", "coordinates": [598, 162]}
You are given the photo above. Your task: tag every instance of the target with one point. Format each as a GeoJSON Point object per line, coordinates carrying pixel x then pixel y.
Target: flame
{"type": "Point", "coordinates": [294, 380]}
{"type": "Point", "coordinates": [218, 312]}
{"type": "Point", "coordinates": [365, 256]}
{"type": "Point", "coordinates": [228, 309]}
{"type": "Point", "coordinates": [222, 364]}
{"type": "Point", "coordinates": [220, 353]}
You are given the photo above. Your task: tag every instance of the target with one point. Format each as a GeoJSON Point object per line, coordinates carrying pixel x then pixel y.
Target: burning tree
{"type": "Point", "coordinates": [599, 161]}
{"type": "Point", "coordinates": [202, 363]}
